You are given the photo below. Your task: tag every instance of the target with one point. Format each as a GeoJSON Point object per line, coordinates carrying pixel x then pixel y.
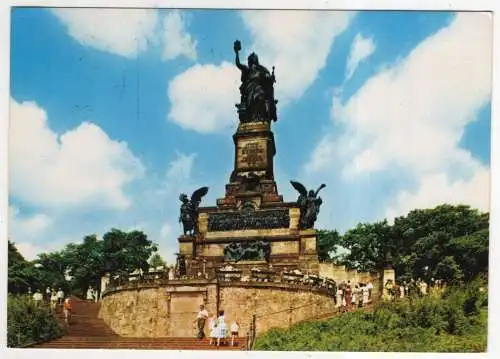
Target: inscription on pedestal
{"type": "Point", "coordinates": [235, 221]}
{"type": "Point", "coordinates": [252, 154]}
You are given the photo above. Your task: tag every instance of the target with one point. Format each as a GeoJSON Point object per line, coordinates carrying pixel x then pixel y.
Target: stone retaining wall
{"type": "Point", "coordinates": [169, 311]}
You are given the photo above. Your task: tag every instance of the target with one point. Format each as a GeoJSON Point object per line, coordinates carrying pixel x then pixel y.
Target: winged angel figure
{"type": "Point", "coordinates": [189, 210]}
{"type": "Point", "coordinates": [309, 204]}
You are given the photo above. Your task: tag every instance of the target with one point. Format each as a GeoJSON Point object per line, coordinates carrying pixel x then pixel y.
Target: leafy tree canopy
{"type": "Point", "coordinates": [156, 260]}
{"type": "Point", "coordinates": [85, 262]}
{"type": "Point", "coordinates": [446, 242]}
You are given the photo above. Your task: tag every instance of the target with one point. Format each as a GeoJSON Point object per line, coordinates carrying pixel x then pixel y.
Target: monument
{"type": "Point", "coordinates": [251, 226]}
{"type": "Point", "coordinates": [251, 253]}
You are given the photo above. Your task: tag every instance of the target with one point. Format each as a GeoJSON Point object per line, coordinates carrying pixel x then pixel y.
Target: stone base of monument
{"type": "Point", "coordinates": [168, 308]}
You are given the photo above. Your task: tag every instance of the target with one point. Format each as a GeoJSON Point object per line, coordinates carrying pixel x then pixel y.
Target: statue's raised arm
{"type": "Point", "coordinates": [237, 49]}
{"type": "Point", "coordinates": [319, 189]}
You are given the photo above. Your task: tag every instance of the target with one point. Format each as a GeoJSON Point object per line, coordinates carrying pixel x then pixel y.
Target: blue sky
{"type": "Point", "coordinates": [115, 113]}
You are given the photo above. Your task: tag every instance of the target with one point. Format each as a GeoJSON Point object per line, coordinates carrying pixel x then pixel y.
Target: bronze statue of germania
{"type": "Point", "coordinates": [257, 90]}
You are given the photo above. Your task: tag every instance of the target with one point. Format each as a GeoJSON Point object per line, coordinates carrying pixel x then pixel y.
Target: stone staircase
{"type": "Point", "coordinates": [87, 331]}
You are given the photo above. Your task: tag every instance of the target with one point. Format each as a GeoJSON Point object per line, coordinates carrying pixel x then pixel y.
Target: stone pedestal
{"type": "Point", "coordinates": [251, 212]}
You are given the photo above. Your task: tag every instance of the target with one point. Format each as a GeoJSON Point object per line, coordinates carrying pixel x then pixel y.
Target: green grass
{"type": "Point", "coordinates": [28, 324]}
{"type": "Point", "coordinates": [455, 322]}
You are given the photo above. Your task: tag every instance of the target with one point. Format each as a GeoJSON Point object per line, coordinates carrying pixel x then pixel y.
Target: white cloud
{"type": "Point", "coordinates": [415, 112]}
{"type": "Point", "coordinates": [438, 188]}
{"type": "Point", "coordinates": [322, 155]}
{"type": "Point", "coordinates": [202, 98]}
{"type": "Point", "coordinates": [361, 49]}
{"type": "Point", "coordinates": [27, 229]}
{"type": "Point", "coordinates": [29, 251]}
{"type": "Point", "coordinates": [176, 40]}
{"type": "Point", "coordinates": [413, 115]}
{"type": "Point", "coordinates": [296, 42]}
{"type": "Point", "coordinates": [125, 32]}
{"type": "Point", "coordinates": [28, 226]}
{"type": "Point", "coordinates": [81, 166]}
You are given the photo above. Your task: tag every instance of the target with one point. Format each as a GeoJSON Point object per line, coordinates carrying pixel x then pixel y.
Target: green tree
{"type": "Point", "coordinates": [125, 252]}
{"type": "Point", "coordinates": [368, 245]}
{"type": "Point", "coordinates": [471, 253]}
{"type": "Point", "coordinates": [156, 260]}
{"type": "Point", "coordinates": [424, 237]}
{"type": "Point", "coordinates": [85, 263]}
{"type": "Point", "coordinates": [50, 271]}
{"type": "Point", "coordinates": [448, 270]}
{"type": "Point", "coordinates": [453, 238]}
{"type": "Point", "coordinates": [118, 252]}
{"type": "Point", "coordinates": [327, 242]}
{"type": "Point", "coordinates": [20, 271]}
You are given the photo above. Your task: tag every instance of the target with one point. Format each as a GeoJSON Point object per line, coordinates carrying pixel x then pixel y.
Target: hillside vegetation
{"type": "Point", "coordinates": [455, 321]}
{"type": "Point", "coordinates": [28, 323]}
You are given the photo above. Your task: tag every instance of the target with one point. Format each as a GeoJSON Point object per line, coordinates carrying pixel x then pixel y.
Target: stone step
{"type": "Point", "coordinates": [155, 347]}
{"type": "Point", "coordinates": [87, 331]}
{"type": "Point", "coordinates": [140, 343]}
{"type": "Point", "coordinates": [142, 339]}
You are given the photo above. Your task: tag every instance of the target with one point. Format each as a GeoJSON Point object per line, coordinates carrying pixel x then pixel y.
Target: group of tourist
{"type": "Point", "coordinates": [412, 287]}
{"type": "Point", "coordinates": [217, 327]}
{"type": "Point", "coordinates": [349, 296]}
{"type": "Point", "coordinates": [52, 298]}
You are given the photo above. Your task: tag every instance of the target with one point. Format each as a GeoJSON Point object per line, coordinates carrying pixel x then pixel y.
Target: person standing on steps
{"type": "Point", "coordinates": [37, 297]}
{"type": "Point", "coordinates": [200, 321]}
{"type": "Point", "coordinates": [53, 301]}
{"type": "Point", "coordinates": [67, 308]}
{"type": "Point", "coordinates": [60, 296]}
{"type": "Point", "coordinates": [234, 331]}
{"type": "Point", "coordinates": [221, 328]}
{"type": "Point", "coordinates": [90, 294]}
{"type": "Point", "coordinates": [212, 326]}
{"type": "Point", "coordinates": [48, 292]}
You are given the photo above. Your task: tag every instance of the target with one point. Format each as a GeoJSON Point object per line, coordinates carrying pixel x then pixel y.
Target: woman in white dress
{"type": "Point", "coordinates": [339, 299]}
{"type": "Point", "coordinates": [221, 327]}
{"type": "Point", "coordinates": [212, 326]}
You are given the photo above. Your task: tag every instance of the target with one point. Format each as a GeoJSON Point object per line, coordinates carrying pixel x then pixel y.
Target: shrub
{"type": "Point", "coordinates": [27, 323]}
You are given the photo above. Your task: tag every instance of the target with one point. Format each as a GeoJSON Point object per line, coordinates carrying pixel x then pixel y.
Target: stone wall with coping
{"type": "Point", "coordinates": [169, 310]}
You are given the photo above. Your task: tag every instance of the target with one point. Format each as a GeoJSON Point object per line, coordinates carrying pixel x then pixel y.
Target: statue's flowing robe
{"type": "Point", "coordinates": [256, 81]}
